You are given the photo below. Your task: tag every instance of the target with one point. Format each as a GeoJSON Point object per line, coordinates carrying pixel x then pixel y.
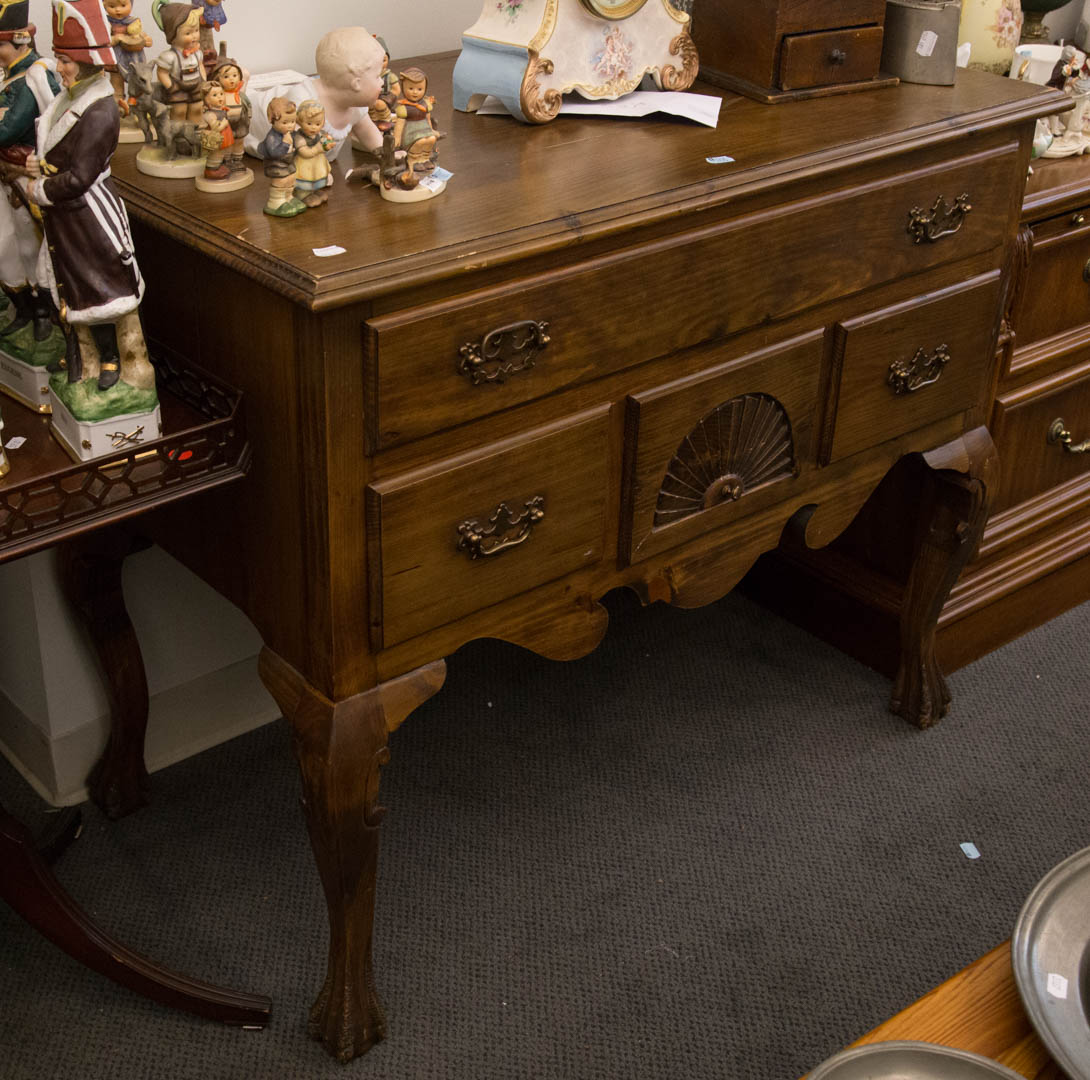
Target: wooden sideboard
{"type": "Point", "coordinates": [1034, 558]}
{"type": "Point", "coordinates": [602, 358]}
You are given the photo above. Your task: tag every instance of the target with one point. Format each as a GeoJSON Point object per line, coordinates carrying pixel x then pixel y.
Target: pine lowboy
{"type": "Point", "coordinates": [600, 359]}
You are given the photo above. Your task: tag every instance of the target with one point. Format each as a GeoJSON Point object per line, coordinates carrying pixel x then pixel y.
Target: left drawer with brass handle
{"type": "Point", "coordinates": [471, 531]}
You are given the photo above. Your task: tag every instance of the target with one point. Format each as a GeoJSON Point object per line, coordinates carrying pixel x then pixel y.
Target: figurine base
{"type": "Point", "coordinates": [27, 383]}
{"type": "Point", "coordinates": [88, 439]}
{"type": "Point", "coordinates": [235, 182]}
{"type": "Point", "coordinates": [130, 133]}
{"type": "Point", "coordinates": [1067, 146]}
{"type": "Point", "coordinates": [153, 161]}
{"type": "Point", "coordinates": [428, 188]}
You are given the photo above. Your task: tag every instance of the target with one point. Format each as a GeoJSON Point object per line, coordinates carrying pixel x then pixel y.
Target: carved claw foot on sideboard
{"type": "Point", "coordinates": [959, 479]}
{"type": "Point", "coordinates": [90, 571]}
{"type": "Point", "coordinates": [341, 748]}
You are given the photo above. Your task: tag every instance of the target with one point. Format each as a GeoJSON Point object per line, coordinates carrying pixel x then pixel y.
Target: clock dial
{"type": "Point", "coordinates": [613, 9]}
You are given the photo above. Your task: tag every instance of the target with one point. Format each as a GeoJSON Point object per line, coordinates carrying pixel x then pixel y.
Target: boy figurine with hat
{"type": "Point", "coordinates": [88, 257]}
{"type": "Point", "coordinates": [28, 88]}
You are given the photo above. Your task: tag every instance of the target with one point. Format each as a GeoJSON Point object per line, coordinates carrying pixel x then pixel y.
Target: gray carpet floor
{"type": "Point", "coordinates": [706, 850]}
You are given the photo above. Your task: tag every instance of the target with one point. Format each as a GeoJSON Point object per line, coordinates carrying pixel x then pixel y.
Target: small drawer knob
{"type": "Point", "coordinates": [838, 56]}
{"type": "Point", "coordinates": [1078, 219]}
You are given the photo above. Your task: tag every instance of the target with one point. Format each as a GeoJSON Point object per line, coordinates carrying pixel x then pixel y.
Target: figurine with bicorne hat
{"type": "Point", "coordinates": [29, 340]}
{"type": "Point", "coordinates": [88, 259]}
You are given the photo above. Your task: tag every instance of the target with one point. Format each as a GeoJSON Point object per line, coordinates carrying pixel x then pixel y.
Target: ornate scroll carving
{"type": "Point", "coordinates": [941, 220]}
{"type": "Point", "coordinates": [681, 79]}
{"type": "Point", "coordinates": [538, 106]}
{"type": "Point", "coordinates": [906, 376]}
{"type": "Point", "coordinates": [508, 350]}
{"type": "Point", "coordinates": [741, 445]}
{"type": "Point", "coordinates": [504, 529]}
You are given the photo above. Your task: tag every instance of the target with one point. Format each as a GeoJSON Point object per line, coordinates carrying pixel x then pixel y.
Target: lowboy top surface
{"type": "Point", "coordinates": [519, 190]}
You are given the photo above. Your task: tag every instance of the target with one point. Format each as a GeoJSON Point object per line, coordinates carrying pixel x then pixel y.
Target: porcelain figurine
{"type": "Point", "coordinates": [215, 129]}
{"type": "Point", "coordinates": [129, 41]}
{"type": "Point", "coordinates": [232, 77]}
{"type": "Point", "coordinates": [29, 339]}
{"type": "Point", "coordinates": [278, 152]}
{"type": "Point", "coordinates": [5, 468]}
{"type": "Point", "coordinates": [180, 69]}
{"type": "Point", "coordinates": [382, 112]}
{"type": "Point", "coordinates": [88, 258]}
{"type": "Point", "coordinates": [1073, 140]}
{"type": "Point", "coordinates": [313, 176]}
{"type": "Point", "coordinates": [348, 83]}
{"type": "Point", "coordinates": [212, 18]}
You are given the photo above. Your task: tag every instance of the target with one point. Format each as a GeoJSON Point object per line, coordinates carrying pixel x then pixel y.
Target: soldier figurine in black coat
{"type": "Point", "coordinates": [88, 258]}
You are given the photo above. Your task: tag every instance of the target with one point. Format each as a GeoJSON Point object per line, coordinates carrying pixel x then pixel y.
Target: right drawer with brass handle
{"type": "Point", "coordinates": [911, 364]}
{"type": "Point", "coordinates": [433, 366]}
{"type": "Point", "coordinates": [474, 530]}
{"type": "Point", "coordinates": [1042, 432]}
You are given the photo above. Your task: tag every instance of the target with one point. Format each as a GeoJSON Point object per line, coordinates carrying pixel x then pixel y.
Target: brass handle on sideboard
{"type": "Point", "coordinates": [504, 529]}
{"type": "Point", "coordinates": [922, 370]}
{"type": "Point", "coordinates": [1086, 271]}
{"type": "Point", "coordinates": [505, 351]}
{"type": "Point", "coordinates": [1058, 433]}
{"type": "Point", "coordinates": [941, 220]}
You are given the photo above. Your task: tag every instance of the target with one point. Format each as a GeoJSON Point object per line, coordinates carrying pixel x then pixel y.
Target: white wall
{"type": "Point", "coordinates": [266, 35]}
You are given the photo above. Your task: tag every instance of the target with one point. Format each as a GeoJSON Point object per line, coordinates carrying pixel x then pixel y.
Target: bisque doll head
{"type": "Point", "coordinates": [350, 60]}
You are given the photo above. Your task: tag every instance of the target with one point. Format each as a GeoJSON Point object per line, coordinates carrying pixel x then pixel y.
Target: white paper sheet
{"type": "Point", "coordinates": [703, 108]}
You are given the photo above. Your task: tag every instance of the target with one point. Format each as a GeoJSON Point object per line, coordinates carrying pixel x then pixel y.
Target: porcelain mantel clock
{"type": "Point", "coordinates": [530, 52]}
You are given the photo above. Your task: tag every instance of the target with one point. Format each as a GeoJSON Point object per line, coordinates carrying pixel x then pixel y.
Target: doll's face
{"type": "Point", "coordinates": [285, 122]}
{"type": "Point", "coordinates": [188, 37]}
{"type": "Point", "coordinates": [67, 69]}
{"type": "Point", "coordinates": [230, 78]}
{"type": "Point", "coordinates": [414, 91]}
{"type": "Point", "coordinates": [214, 96]}
{"type": "Point", "coordinates": [313, 123]}
{"type": "Point", "coordinates": [118, 9]}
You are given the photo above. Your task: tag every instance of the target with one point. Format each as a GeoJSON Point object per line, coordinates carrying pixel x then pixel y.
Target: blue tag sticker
{"type": "Point", "coordinates": [970, 850]}
{"type": "Point", "coordinates": [441, 174]}
{"type": "Point", "coordinates": [720, 159]}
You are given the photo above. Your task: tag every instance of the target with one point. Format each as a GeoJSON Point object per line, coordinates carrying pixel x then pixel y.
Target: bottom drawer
{"type": "Point", "coordinates": [468, 532]}
{"type": "Point", "coordinates": [1029, 463]}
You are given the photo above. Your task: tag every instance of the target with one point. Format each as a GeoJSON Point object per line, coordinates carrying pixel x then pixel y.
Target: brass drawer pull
{"type": "Point", "coordinates": [1079, 219]}
{"type": "Point", "coordinates": [1058, 433]}
{"type": "Point", "coordinates": [504, 529]}
{"type": "Point", "coordinates": [506, 351]}
{"type": "Point", "coordinates": [922, 370]}
{"type": "Point", "coordinates": [838, 56]}
{"type": "Point", "coordinates": [941, 220]}
{"type": "Point", "coordinates": [1086, 271]}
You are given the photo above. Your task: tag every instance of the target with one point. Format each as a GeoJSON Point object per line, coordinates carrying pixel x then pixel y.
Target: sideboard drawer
{"type": "Point", "coordinates": [911, 364]}
{"type": "Point", "coordinates": [830, 56]}
{"type": "Point", "coordinates": [1023, 419]}
{"type": "Point", "coordinates": [713, 447]}
{"type": "Point", "coordinates": [1057, 291]}
{"type": "Point", "coordinates": [605, 314]}
{"type": "Point", "coordinates": [473, 530]}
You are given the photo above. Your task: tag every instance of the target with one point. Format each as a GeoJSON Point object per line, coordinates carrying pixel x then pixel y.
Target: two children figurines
{"type": "Point", "coordinates": [295, 157]}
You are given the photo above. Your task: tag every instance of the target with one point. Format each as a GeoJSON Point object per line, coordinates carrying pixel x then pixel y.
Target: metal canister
{"type": "Point", "coordinates": [920, 43]}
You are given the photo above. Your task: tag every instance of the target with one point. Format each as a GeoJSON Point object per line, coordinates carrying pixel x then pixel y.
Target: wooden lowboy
{"type": "Point", "coordinates": [601, 358]}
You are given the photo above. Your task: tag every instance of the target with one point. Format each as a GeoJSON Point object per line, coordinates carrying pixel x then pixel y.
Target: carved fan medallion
{"type": "Point", "coordinates": [741, 445]}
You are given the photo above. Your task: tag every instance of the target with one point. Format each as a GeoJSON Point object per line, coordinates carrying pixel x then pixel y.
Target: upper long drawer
{"type": "Point", "coordinates": [437, 365]}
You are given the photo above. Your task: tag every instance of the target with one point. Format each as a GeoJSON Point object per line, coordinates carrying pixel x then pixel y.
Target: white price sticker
{"type": "Point", "coordinates": [15, 443]}
{"type": "Point", "coordinates": [928, 40]}
{"type": "Point", "coordinates": [325, 252]}
{"type": "Point", "coordinates": [971, 850]}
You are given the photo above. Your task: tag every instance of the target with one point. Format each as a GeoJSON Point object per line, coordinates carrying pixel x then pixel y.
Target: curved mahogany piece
{"type": "Point", "coordinates": [90, 570]}
{"type": "Point", "coordinates": [28, 885]}
{"type": "Point", "coordinates": [341, 748]}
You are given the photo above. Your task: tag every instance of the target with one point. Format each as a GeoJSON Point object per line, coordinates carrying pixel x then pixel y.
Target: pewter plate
{"type": "Point", "coordinates": [1052, 940]}
{"type": "Point", "coordinates": [910, 1061]}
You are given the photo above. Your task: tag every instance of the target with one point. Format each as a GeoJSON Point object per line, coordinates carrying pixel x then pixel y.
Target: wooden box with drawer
{"type": "Point", "coordinates": [783, 50]}
{"type": "Point", "coordinates": [592, 362]}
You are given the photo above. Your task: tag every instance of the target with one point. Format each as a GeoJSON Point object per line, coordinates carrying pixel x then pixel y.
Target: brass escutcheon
{"type": "Point", "coordinates": [941, 220]}
{"type": "Point", "coordinates": [508, 350]}
{"type": "Point", "coordinates": [1058, 433]}
{"type": "Point", "coordinates": [922, 370]}
{"type": "Point", "coordinates": [504, 529]}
